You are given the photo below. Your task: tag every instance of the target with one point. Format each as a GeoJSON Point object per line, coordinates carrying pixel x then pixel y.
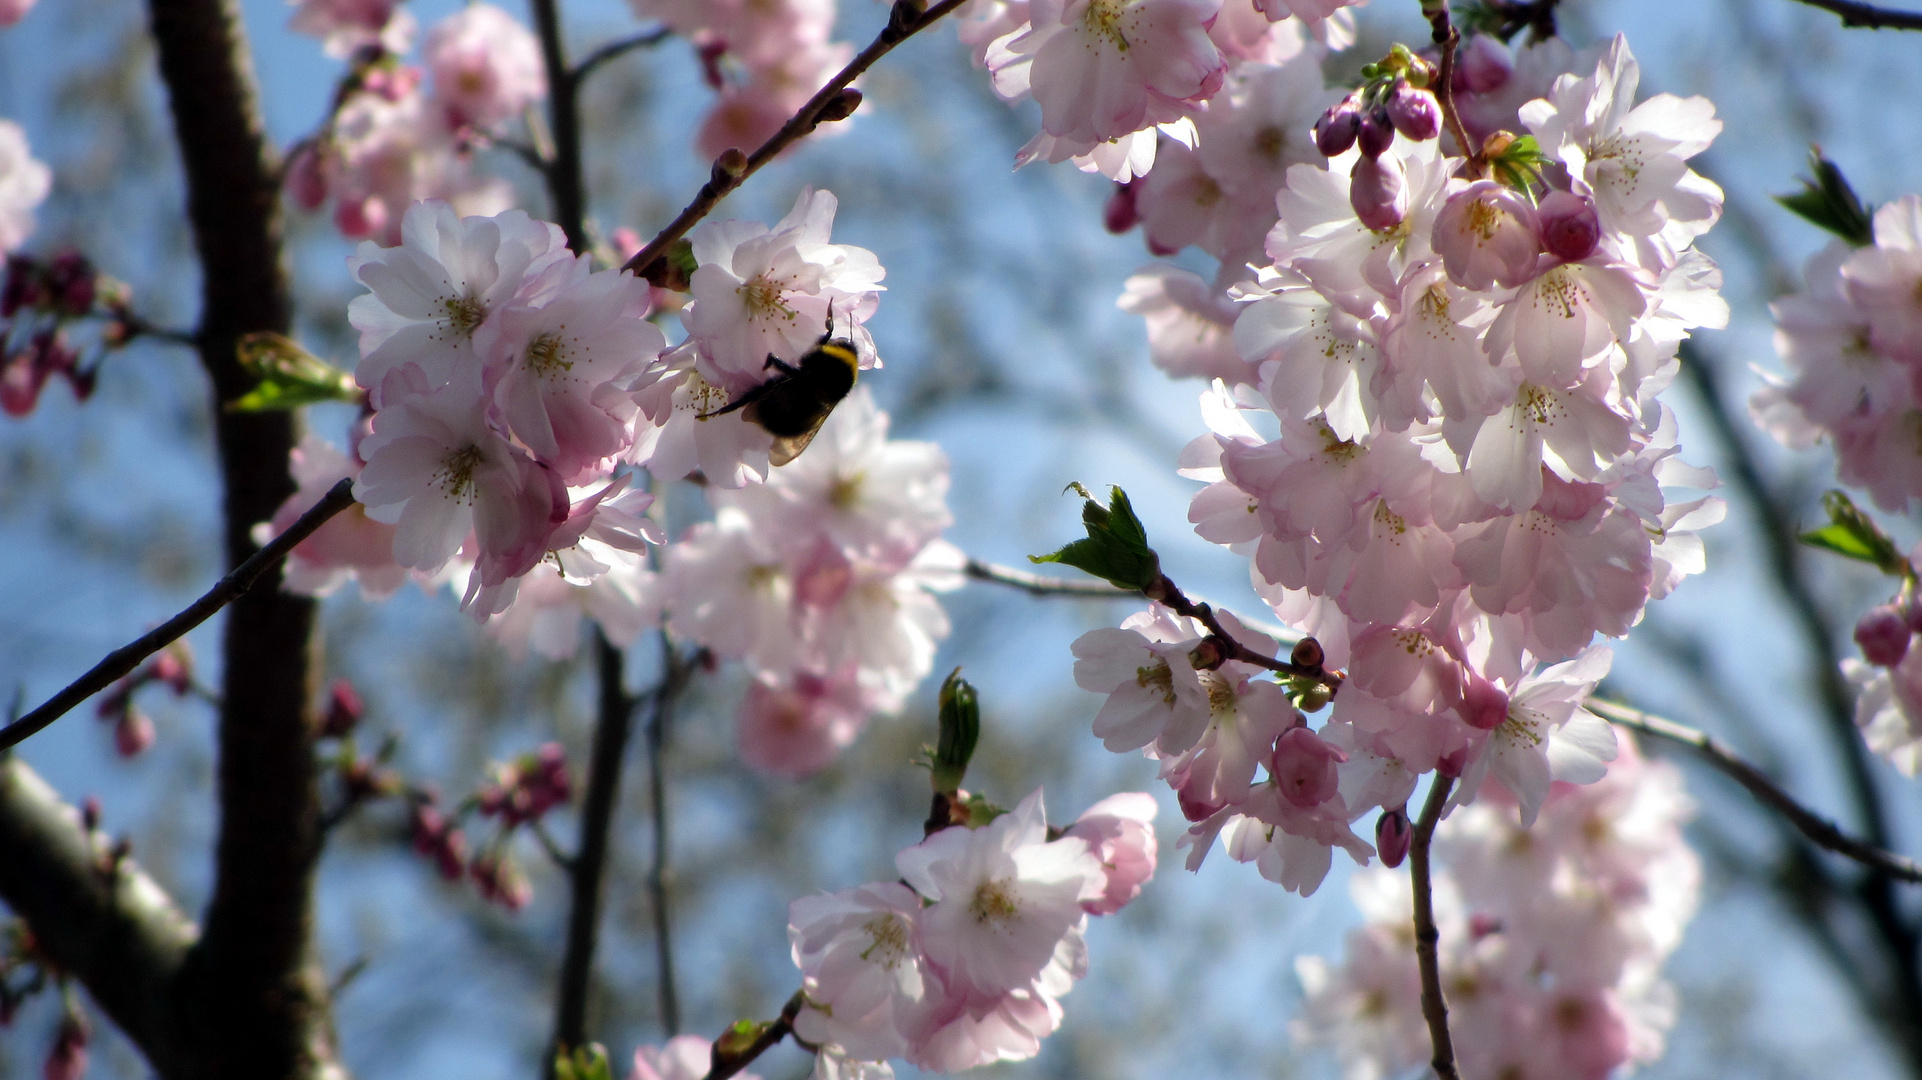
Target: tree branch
{"type": "Point", "coordinates": [587, 873]}
{"type": "Point", "coordinates": [728, 1064]}
{"type": "Point", "coordinates": [1868, 16]}
{"type": "Point", "coordinates": [94, 915]}
{"type": "Point", "coordinates": [1442, 31]}
{"type": "Point", "coordinates": [677, 672]}
{"type": "Point", "coordinates": [646, 39]}
{"type": "Point", "coordinates": [257, 1001]}
{"type": "Point", "coordinates": [1167, 593]}
{"type": "Point", "coordinates": [121, 662]}
{"type": "Point", "coordinates": [903, 23]}
{"type": "Point", "coordinates": [563, 170]}
{"type": "Point", "coordinates": [1434, 1008]}
{"type": "Point", "coordinates": [1822, 832]}
{"type": "Point", "coordinates": [1037, 585]}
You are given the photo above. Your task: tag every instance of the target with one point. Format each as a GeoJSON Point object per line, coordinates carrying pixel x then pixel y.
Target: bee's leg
{"type": "Point", "coordinates": [780, 365]}
{"type": "Point", "coordinates": [743, 401]}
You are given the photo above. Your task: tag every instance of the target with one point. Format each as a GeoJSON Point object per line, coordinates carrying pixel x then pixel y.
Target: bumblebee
{"type": "Point", "coordinates": [794, 404]}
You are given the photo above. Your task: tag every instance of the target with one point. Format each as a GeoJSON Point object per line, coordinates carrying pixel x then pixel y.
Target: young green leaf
{"type": "Point", "coordinates": [289, 375]}
{"type": "Point", "coordinates": [1828, 202]}
{"type": "Point", "coordinates": [960, 731]}
{"type": "Point", "coordinates": [1853, 534]}
{"type": "Point", "coordinates": [1116, 547]}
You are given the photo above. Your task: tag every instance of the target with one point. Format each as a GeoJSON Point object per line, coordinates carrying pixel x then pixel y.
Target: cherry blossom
{"type": "Point", "coordinates": [24, 183]}
{"type": "Point", "coordinates": [347, 26]}
{"type": "Point", "coordinates": [683, 1057]}
{"type": "Point", "coordinates": [486, 66]}
{"type": "Point", "coordinates": [348, 546]}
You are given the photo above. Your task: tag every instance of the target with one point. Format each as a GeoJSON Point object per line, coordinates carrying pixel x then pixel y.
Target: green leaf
{"type": "Point", "coordinates": [289, 375]}
{"type": "Point", "coordinates": [1828, 202]}
{"type": "Point", "coordinates": [1519, 163]}
{"type": "Point", "coordinates": [960, 731]}
{"type": "Point", "coordinates": [585, 1063]}
{"type": "Point", "coordinates": [1853, 534]}
{"type": "Point", "coordinates": [1116, 547]}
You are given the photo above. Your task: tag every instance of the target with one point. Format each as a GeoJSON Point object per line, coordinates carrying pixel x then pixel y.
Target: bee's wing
{"type": "Point", "coordinates": [788, 447]}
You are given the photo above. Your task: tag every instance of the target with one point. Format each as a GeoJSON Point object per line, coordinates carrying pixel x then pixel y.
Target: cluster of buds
{"type": "Point", "coordinates": [525, 789]}
{"type": "Point", "coordinates": [1394, 96]}
{"type": "Point", "coordinates": [1884, 632]}
{"type": "Point", "coordinates": [36, 298]}
{"type": "Point", "coordinates": [499, 879]}
{"type": "Point", "coordinates": [133, 730]}
{"type": "Point", "coordinates": [439, 838]}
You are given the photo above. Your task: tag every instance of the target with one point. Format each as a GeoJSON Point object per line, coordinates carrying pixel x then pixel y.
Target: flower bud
{"type": "Point", "coordinates": [175, 668]}
{"type": "Point", "coordinates": [1482, 65]}
{"type": "Point", "coordinates": [840, 107]}
{"type": "Point", "coordinates": [344, 710]}
{"type": "Point", "coordinates": [711, 52]}
{"type": "Point", "coordinates": [90, 813]}
{"type": "Point", "coordinates": [1335, 132]}
{"type": "Point", "coordinates": [1484, 705]}
{"type": "Point", "coordinates": [1303, 766]}
{"type": "Point", "coordinates": [1392, 836]}
{"type": "Point", "coordinates": [305, 179]}
{"type": "Point", "coordinates": [1415, 112]}
{"type": "Point", "coordinates": [133, 733]}
{"type": "Point", "coordinates": [1452, 763]}
{"type": "Point", "coordinates": [1377, 132]}
{"type": "Point", "coordinates": [1883, 634]}
{"type": "Point", "coordinates": [1569, 227]}
{"type": "Point", "coordinates": [68, 1058]}
{"type": "Point", "coordinates": [1378, 191]}
{"type": "Point", "coordinates": [1122, 211]}
{"type": "Point", "coordinates": [1307, 653]}
{"type": "Point", "coordinates": [71, 278]}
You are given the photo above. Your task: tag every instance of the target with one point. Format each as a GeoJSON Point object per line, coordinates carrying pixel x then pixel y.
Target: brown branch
{"type": "Point", "coordinates": [905, 20]}
{"type": "Point", "coordinates": [1820, 830]}
{"type": "Point", "coordinates": [256, 1001]}
{"type": "Point", "coordinates": [1443, 32]}
{"type": "Point", "coordinates": [94, 915]}
{"type": "Point", "coordinates": [677, 672]}
{"type": "Point", "coordinates": [646, 39]}
{"type": "Point", "coordinates": [587, 874]}
{"type": "Point", "coordinates": [1037, 585]}
{"type": "Point", "coordinates": [1868, 16]}
{"type": "Point", "coordinates": [1169, 594]}
{"type": "Point", "coordinates": [726, 1063]}
{"type": "Point", "coordinates": [563, 170]}
{"type": "Point", "coordinates": [1434, 1008]}
{"type": "Point", "coordinates": [121, 662]}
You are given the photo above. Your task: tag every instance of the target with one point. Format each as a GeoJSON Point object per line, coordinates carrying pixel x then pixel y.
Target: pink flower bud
{"type": "Point", "coordinates": [172, 668]}
{"type": "Point", "coordinates": [1304, 767]}
{"type": "Point", "coordinates": [71, 279]}
{"type": "Point", "coordinates": [1120, 832]}
{"type": "Point", "coordinates": [12, 11]}
{"type": "Point", "coordinates": [90, 813]}
{"type": "Point", "coordinates": [1335, 132]}
{"type": "Point", "coordinates": [1481, 924]}
{"type": "Point", "coordinates": [1122, 211]}
{"type": "Point", "coordinates": [1569, 226]}
{"type": "Point", "coordinates": [501, 881]}
{"type": "Point", "coordinates": [1377, 132]}
{"type": "Point", "coordinates": [22, 288]}
{"type": "Point", "coordinates": [1482, 65]}
{"type": "Point", "coordinates": [1378, 190]}
{"type": "Point", "coordinates": [133, 733]}
{"type": "Point", "coordinates": [68, 1058]}
{"type": "Point", "coordinates": [710, 54]}
{"type": "Point", "coordinates": [306, 180]}
{"type": "Point", "coordinates": [344, 710]}
{"type": "Point", "coordinates": [1484, 705]}
{"type": "Point", "coordinates": [1392, 836]}
{"type": "Point", "coordinates": [1452, 763]}
{"type": "Point", "coordinates": [1486, 236]}
{"type": "Point", "coordinates": [1415, 112]}
{"type": "Point", "coordinates": [1883, 634]}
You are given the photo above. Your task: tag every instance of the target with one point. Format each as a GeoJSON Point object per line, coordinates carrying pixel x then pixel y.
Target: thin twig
{"type": "Point", "coordinates": [563, 171]}
{"type": "Point", "coordinates": [644, 40]}
{"type": "Point", "coordinates": [1444, 34]}
{"type": "Point", "coordinates": [726, 1065]}
{"type": "Point", "coordinates": [589, 863]}
{"type": "Point", "coordinates": [1169, 595]}
{"type": "Point", "coordinates": [555, 852]}
{"type": "Point", "coordinates": [903, 23]}
{"type": "Point", "coordinates": [675, 677]}
{"type": "Point", "coordinates": [1817, 828]}
{"type": "Point", "coordinates": [1868, 16]}
{"type": "Point", "coordinates": [1037, 585]}
{"type": "Point", "coordinates": [120, 662]}
{"type": "Point", "coordinates": [1434, 1008]}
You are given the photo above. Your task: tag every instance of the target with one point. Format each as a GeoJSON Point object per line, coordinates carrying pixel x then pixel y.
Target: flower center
{"type": "Point", "coordinates": [1158, 675]}
{"type": "Point", "coordinates": [845, 491]}
{"type": "Point", "coordinates": [462, 314]}
{"type": "Point", "coordinates": [993, 902]}
{"type": "Point", "coordinates": [1269, 142]}
{"type": "Point", "coordinates": [887, 941]}
{"type": "Point", "coordinates": [764, 298]}
{"type": "Point", "coordinates": [456, 475]}
{"type": "Point", "coordinates": [1104, 18]}
{"type": "Point", "coordinates": [546, 356]}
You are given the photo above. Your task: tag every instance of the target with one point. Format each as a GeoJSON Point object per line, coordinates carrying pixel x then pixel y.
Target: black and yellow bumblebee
{"type": "Point", "coordinates": [794, 404]}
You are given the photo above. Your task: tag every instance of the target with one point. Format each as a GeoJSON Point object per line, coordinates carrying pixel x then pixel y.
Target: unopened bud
{"type": "Point", "coordinates": [728, 167]}
{"type": "Point", "coordinates": [1415, 113]}
{"type": "Point", "coordinates": [1335, 132]}
{"type": "Point", "coordinates": [958, 733]}
{"type": "Point", "coordinates": [1392, 836]}
{"type": "Point", "coordinates": [1377, 132]}
{"type": "Point", "coordinates": [1307, 653]}
{"type": "Point", "coordinates": [1497, 143]}
{"type": "Point", "coordinates": [1122, 211]}
{"type": "Point", "coordinates": [67, 1060]}
{"type": "Point", "coordinates": [1378, 191]}
{"type": "Point", "coordinates": [1482, 65]}
{"type": "Point", "coordinates": [1208, 654]}
{"type": "Point", "coordinates": [344, 710]}
{"type": "Point", "coordinates": [1452, 763]}
{"type": "Point", "coordinates": [305, 180]}
{"type": "Point", "coordinates": [1484, 705]}
{"type": "Point", "coordinates": [1481, 924]}
{"type": "Point", "coordinates": [840, 106]}
{"type": "Point", "coordinates": [133, 733]}
{"type": "Point", "coordinates": [1569, 225]}
{"type": "Point", "coordinates": [1883, 634]}
{"type": "Point", "coordinates": [710, 53]}
{"type": "Point", "coordinates": [90, 813]}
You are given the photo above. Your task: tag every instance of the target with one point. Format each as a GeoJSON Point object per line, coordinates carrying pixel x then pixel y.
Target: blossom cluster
{"type": "Point", "coordinates": [1852, 340]}
{"type": "Point", "coordinates": [765, 57]}
{"type": "Point", "coordinates": [961, 962]}
{"type": "Point", "coordinates": [1552, 937]}
{"type": "Point", "coordinates": [513, 394]}
{"type": "Point", "coordinates": [1888, 702]}
{"type": "Point", "coordinates": [1437, 437]}
{"type": "Point", "coordinates": [395, 137]}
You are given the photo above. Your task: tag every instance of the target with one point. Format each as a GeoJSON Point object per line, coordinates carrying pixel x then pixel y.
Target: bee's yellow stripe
{"type": "Point", "coordinates": [843, 354]}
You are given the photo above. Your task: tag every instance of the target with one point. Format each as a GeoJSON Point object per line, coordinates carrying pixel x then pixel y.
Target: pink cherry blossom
{"type": "Point", "coordinates": [795, 727]}
{"type": "Point", "coordinates": [1103, 69]}
{"type": "Point", "coordinates": [683, 1057]}
{"type": "Point", "coordinates": [349, 546]}
{"type": "Point", "coordinates": [1486, 235]}
{"type": "Point", "coordinates": [1888, 709]}
{"type": "Point", "coordinates": [348, 26]}
{"type": "Point", "coordinates": [1119, 830]}
{"type": "Point", "coordinates": [1882, 281]}
{"type": "Point", "coordinates": [862, 970]}
{"type": "Point", "coordinates": [1548, 735]}
{"type": "Point", "coordinates": [486, 66]}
